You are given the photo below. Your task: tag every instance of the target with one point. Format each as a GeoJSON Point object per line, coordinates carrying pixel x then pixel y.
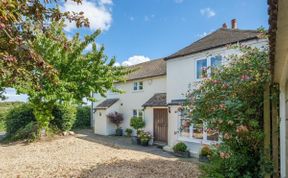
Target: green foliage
{"type": "Point", "coordinates": [206, 151]}
{"type": "Point", "coordinates": [180, 147]}
{"type": "Point", "coordinates": [128, 132]}
{"type": "Point", "coordinates": [19, 19]}
{"type": "Point", "coordinates": [4, 109]}
{"type": "Point", "coordinates": [64, 117]}
{"type": "Point", "coordinates": [18, 118]}
{"type": "Point", "coordinates": [78, 73]}
{"type": "Point", "coordinates": [231, 101]}
{"type": "Point", "coordinates": [29, 132]}
{"type": "Point", "coordinates": [137, 123]}
{"type": "Point", "coordinates": [82, 117]}
{"type": "Point", "coordinates": [145, 136]}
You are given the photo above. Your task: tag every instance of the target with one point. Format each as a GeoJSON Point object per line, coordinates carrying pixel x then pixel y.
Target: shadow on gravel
{"type": "Point", "coordinates": [120, 143]}
{"type": "Point", "coordinates": [143, 168]}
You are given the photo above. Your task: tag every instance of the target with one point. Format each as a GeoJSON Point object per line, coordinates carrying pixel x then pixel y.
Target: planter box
{"type": "Point", "coordinates": [203, 159]}
{"type": "Point", "coordinates": [119, 132]}
{"type": "Point", "coordinates": [185, 154]}
{"type": "Point", "coordinates": [146, 143]}
{"type": "Point", "coordinates": [134, 140]}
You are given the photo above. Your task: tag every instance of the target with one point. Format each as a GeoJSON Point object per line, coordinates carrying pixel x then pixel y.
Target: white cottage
{"type": "Point", "coordinates": [156, 90]}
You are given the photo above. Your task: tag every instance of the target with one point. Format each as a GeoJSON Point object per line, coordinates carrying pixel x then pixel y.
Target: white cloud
{"type": "Point", "coordinates": [131, 18]}
{"type": "Point", "coordinates": [106, 2]}
{"type": "Point", "coordinates": [135, 60]}
{"type": "Point", "coordinates": [204, 34]}
{"type": "Point", "coordinates": [99, 14]}
{"type": "Point", "coordinates": [178, 1]}
{"type": "Point", "coordinates": [208, 12]}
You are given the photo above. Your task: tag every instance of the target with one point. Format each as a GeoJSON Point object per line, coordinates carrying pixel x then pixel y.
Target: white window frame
{"type": "Point", "coordinates": [191, 138]}
{"type": "Point", "coordinates": [208, 59]}
{"type": "Point", "coordinates": [138, 84]}
{"type": "Point", "coordinates": [137, 113]}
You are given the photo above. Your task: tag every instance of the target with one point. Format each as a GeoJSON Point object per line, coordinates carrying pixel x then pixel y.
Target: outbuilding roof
{"type": "Point", "coordinates": [107, 103]}
{"type": "Point", "coordinates": [159, 99]}
{"type": "Point", "coordinates": [218, 38]}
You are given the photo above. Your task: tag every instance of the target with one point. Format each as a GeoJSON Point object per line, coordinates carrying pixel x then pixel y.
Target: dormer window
{"type": "Point", "coordinates": [138, 86]}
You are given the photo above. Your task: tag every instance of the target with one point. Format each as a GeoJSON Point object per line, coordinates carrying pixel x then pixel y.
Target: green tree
{"type": "Point", "coordinates": [79, 72]}
{"type": "Point", "coordinates": [231, 102]}
{"type": "Point", "coordinates": [18, 20]}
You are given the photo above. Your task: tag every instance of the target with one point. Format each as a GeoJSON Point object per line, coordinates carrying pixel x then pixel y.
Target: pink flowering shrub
{"type": "Point", "coordinates": [231, 101]}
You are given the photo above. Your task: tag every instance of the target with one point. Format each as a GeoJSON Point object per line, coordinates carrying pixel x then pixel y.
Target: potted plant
{"type": "Point", "coordinates": [137, 123]}
{"type": "Point", "coordinates": [145, 137]}
{"type": "Point", "coordinates": [205, 154]}
{"type": "Point", "coordinates": [116, 118]}
{"type": "Point", "coordinates": [180, 150]}
{"type": "Point", "coordinates": [128, 132]}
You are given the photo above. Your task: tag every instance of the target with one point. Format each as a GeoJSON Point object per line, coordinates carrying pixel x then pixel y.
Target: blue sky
{"type": "Point", "coordinates": [139, 30]}
{"type": "Point", "coordinates": [157, 28]}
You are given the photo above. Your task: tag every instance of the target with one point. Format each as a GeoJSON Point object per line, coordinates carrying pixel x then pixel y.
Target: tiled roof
{"type": "Point", "coordinates": [219, 38]}
{"type": "Point", "coordinates": [107, 103]}
{"type": "Point", "coordinates": [151, 68]}
{"type": "Point", "coordinates": [159, 99]}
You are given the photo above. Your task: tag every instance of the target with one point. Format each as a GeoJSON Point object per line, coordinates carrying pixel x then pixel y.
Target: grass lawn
{"type": "Point", "coordinates": [87, 156]}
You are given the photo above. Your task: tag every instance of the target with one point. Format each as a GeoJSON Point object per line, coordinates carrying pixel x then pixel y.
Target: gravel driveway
{"type": "Point", "coordinates": [83, 156]}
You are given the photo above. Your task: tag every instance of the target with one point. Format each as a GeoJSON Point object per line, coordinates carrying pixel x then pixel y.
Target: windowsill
{"type": "Point", "coordinates": [195, 140]}
{"type": "Point", "coordinates": [137, 91]}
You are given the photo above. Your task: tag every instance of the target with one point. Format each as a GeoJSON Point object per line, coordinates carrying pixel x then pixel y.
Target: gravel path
{"type": "Point", "coordinates": [76, 157]}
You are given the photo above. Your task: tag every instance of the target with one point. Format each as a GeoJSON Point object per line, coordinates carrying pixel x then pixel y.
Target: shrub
{"type": "Point", "coordinates": [231, 102]}
{"type": "Point", "coordinates": [206, 151]}
{"type": "Point", "coordinates": [64, 117]}
{"type": "Point", "coordinates": [180, 147]}
{"type": "Point", "coordinates": [18, 118]}
{"type": "Point", "coordinates": [145, 136]}
{"type": "Point", "coordinates": [30, 132]}
{"type": "Point", "coordinates": [116, 118]}
{"type": "Point", "coordinates": [137, 123]}
{"type": "Point", "coordinates": [129, 132]}
{"type": "Point", "coordinates": [82, 117]}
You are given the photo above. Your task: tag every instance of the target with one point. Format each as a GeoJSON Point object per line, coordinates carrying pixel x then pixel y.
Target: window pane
{"type": "Point", "coordinates": [185, 128]}
{"type": "Point", "coordinates": [135, 86]}
{"type": "Point", "coordinates": [140, 85]}
{"type": "Point", "coordinates": [198, 131]}
{"type": "Point", "coordinates": [201, 68]}
{"type": "Point", "coordinates": [134, 112]}
{"type": "Point", "coordinates": [140, 113]}
{"type": "Point", "coordinates": [216, 61]}
{"type": "Point", "coordinates": [212, 134]}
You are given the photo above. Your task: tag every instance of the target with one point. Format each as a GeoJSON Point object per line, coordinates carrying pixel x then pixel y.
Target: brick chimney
{"type": "Point", "coordinates": [234, 24]}
{"type": "Point", "coordinates": [224, 26]}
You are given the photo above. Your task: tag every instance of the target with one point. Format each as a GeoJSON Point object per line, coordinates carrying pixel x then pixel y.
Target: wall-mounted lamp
{"type": "Point", "coordinates": [100, 114]}
{"type": "Point", "coordinates": [169, 109]}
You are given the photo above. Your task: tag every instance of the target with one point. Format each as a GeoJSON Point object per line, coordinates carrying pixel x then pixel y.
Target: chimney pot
{"type": "Point", "coordinates": [234, 24]}
{"type": "Point", "coordinates": [224, 26]}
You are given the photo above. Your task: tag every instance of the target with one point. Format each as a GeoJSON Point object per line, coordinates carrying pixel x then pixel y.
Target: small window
{"type": "Point", "coordinates": [140, 85]}
{"type": "Point", "coordinates": [135, 87]}
{"type": "Point", "coordinates": [140, 113]}
{"type": "Point", "coordinates": [134, 112]}
{"type": "Point", "coordinates": [201, 68]}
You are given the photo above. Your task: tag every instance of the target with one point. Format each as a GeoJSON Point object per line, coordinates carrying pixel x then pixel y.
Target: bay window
{"type": "Point", "coordinates": [196, 132]}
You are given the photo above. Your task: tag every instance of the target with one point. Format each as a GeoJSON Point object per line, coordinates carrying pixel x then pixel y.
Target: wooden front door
{"type": "Point", "coordinates": [160, 125]}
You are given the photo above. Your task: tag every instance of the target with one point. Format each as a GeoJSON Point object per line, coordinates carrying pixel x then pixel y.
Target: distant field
{"type": "Point", "coordinates": [4, 109]}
